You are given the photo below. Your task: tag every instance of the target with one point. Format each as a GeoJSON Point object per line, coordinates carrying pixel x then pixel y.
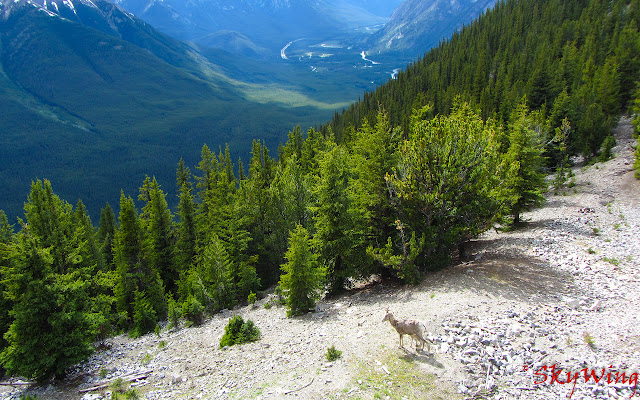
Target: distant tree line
{"type": "Point", "coordinates": [395, 190]}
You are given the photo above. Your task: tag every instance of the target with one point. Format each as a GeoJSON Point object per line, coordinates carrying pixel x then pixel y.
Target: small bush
{"type": "Point", "coordinates": [193, 310]}
{"type": "Point", "coordinates": [589, 340]}
{"type": "Point", "coordinates": [332, 354]}
{"type": "Point", "coordinates": [608, 144]}
{"type": "Point", "coordinates": [118, 385]}
{"type": "Point", "coordinates": [238, 331]}
{"type": "Point", "coordinates": [252, 298]}
{"type": "Point", "coordinates": [144, 316]}
{"type": "Point", "coordinates": [174, 313]}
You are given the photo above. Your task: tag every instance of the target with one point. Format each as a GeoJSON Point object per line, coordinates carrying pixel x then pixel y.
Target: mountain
{"type": "Point", "coordinates": [567, 59]}
{"type": "Point", "coordinates": [93, 99]}
{"type": "Point", "coordinates": [259, 25]}
{"type": "Point", "coordinates": [418, 25]}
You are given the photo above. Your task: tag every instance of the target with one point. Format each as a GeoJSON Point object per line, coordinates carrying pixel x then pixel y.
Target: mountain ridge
{"type": "Point", "coordinates": [122, 99]}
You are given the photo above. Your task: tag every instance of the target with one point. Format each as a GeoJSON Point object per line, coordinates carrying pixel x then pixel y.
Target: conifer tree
{"type": "Point", "coordinates": [160, 236]}
{"type": "Point", "coordinates": [374, 156]}
{"type": "Point", "coordinates": [212, 282]}
{"type": "Point", "coordinates": [446, 189]}
{"type": "Point", "coordinates": [134, 273]}
{"type": "Point", "coordinates": [527, 183]}
{"type": "Point", "coordinates": [50, 331]}
{"type": "Point", "coordinates": [6, 238]}
{"type": "Point", "coordinates": [106, 234]}
{"type": "Point", "coordinates": [186, 242]}
{"type": "Point", "coordinates": [303, 280]}
{"type": "Point", "coordinates": [334, 240]}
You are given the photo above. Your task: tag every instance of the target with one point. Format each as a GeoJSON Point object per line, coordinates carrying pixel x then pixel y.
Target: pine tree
{"type": "Point", "coordinates": [50, 331]}
{"type": "Point", "coordinates": [303, 280]}
{"type": "Point", "coordinates": [106, 234]}
{"type": "Point", "coordinates": [134, 273]}
{"type": "Point", "coordinates": [525, 158]}
{"type": "Point", "coordinates": [334, 239]}
{"type": "Point", "coordinates": [446, 189]}
{"type": "Point", "coordinates": [160, 236]}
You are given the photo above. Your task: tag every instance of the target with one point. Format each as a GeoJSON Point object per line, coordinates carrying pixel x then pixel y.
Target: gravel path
{"type": "Point", "coordinates": [563, 291]}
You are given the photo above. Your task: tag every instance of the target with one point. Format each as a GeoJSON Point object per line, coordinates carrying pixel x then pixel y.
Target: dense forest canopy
{"type": "Point", "coordinates": [572, 59]}
{"type": "Point", "coordinates": [394, 186]}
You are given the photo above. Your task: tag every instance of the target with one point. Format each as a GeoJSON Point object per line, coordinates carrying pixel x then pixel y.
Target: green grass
{"type": "Point", "coordinates": [406, 379]}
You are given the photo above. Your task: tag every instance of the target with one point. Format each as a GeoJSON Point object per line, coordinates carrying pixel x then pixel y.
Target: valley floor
{"type": "Point", "coordinates": [564, 291]}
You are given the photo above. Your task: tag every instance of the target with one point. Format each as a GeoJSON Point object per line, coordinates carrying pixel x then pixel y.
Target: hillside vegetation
{"type": "Point", "coordinates": [578, 60]}
{"type": "Point", "coordinates": [395, 195]}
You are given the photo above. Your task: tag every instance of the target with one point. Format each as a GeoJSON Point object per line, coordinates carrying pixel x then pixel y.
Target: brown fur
{"type": "Point", "coordinates": [413, 328]}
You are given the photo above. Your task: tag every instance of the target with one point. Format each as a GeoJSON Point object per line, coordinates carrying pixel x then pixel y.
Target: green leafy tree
{"type": "Point", "coordinates": [448, 188]}
{"type": "Point", "coordinates": [303, 280]}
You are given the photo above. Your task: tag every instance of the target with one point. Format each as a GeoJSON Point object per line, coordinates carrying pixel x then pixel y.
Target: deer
{"type": "Point", "coordinates": [413, 328]}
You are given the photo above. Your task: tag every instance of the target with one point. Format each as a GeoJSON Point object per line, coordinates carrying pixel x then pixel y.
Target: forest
{"type": "Point", "coordinates": [461, 142]}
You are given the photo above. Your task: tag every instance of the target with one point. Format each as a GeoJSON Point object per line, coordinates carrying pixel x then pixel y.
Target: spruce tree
{"type": "Point", "coordinates": [303, 280]}
{"type": "Point", "coordinates": [160, 236]}
{"type": "Point", "coordinates": [50, 331]}
{"type": "Point", "coordinates": [134, 273]}
{"type": "Point", "coordinates": [525, 158]}
{"type": "Point", "coordinates": [335, 239]}
{"type": "Point", "coordinates": [106, 234]}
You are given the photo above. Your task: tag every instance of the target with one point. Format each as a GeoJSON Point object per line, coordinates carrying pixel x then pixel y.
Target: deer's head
{"type": "Point", "coordinates": [388, 315]}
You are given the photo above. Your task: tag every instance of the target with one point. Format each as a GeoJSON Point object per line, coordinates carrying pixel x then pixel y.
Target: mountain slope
{"type": "Point", "coordinates": [268, 24]}
{"type": "Point", "coordinates": [569, 59]}
{"type": "Point", "coordinates": [418, 25]}
{"type": "Point", "coordinates": [94, 98]}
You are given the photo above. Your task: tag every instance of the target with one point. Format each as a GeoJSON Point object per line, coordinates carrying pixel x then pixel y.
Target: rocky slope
{"type": "Point", "coordinates": [417, 25]}
{"type": "Point", "coordinates": [562, 291]}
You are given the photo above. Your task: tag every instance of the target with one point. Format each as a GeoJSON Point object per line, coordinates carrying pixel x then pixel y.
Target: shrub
{"type": "Point", "coordinates": [252, 298]}
{"type": "Point", "coordinates": [332, 354]}
{"type": "Point", "coordinates": [238, 331]}
{"type": "Point", "coordinates": [175, 312]}
{"type": "Point", "coordinates": [193, 310]}
{"type": "Point", "coordinates": [608, 145]}
{"type": "Point", "coordinates": [144, 316]}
